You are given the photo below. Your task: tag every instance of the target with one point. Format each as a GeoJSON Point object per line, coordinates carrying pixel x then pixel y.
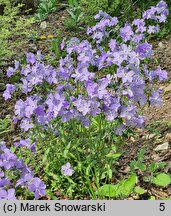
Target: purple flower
{"type": "Point", "coordinates": [9, 90]}
{"type": "Point", "coordinates": [37, 187]}
{"type": "Point", "coordinates": [30, 58]}
{"type": "Point", "coordinates": [7, 195]}
{"type": "Point", "coordinates": [126, 32]}
{"type": "Point", "coordinates": [63, 44]}
{"type": "Point", "coordinates": [39, 111]}
{"type": "Point", "coordinates": [26, 143]}
{"type": "Point", "coordinates": [4, 182]}
{"type": "Point", "coordinates": [119, 129]}
{"type": "Point", "coordinates": [39, 55]}
{"type": "Point", "coordinates": [155, 99]}
{"type": "Point", "coordinates": [25, 179]}
{"type": "Point", "coordinates": [144, 50]}
{"type": "Point", "coordinates": [22, 143]}
{"type": "Point", "coordinates": [162, 74]}
{"type": "Point", "coordinates": [67, 170]}
{"type": "Point", "coordinates": [26, 124]}
{"type": "Point", "coordinates": [7, 159]}
{"type": "Point", "coordinates": [10, 71]}
{"type": "Point", "coordinates": [150, 13]}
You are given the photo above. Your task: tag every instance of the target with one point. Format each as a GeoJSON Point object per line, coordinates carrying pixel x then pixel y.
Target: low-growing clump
{"type": "Point", "coordinates": [99, 87]}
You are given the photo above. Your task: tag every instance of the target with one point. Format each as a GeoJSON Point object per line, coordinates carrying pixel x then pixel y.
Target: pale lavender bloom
{"type": "Point", "coordinates": [134, 58]}
{"type": "Point", "coordinates": [30, 58]}
{"type": "Point", "coordinates": [26, 124]}
{"type": "Point", "coordinates": [30, 106]}
{"type": "Point", "coordinates": [128, 93]}
{"type": "Point", "coordinates": [4, 182]}
{"type": "Point", "coordinates": [25, 71]}
{"type": "Point", "coordinates": [151, 75]}
{"type": "Point", "coordinates": [1, 174]}
{"type": "Point", "coordinates": [162, 74]}
{"type": "Point", "coordinates": [114, 21]}
{"type": "Point", "coordinates": [22, 143]}
{"type": "Point", "coordinates": [10, 71]}
{"type": "Point", "coordinates": [24, 179]}
{"type": "Point", "coordinates": [16, 64]}
{"type": "Point", "coordinates": [26, 86]}
{"type": "Point", "coordinates": [7, 159]}
{"type": "Point", "coordinates": [63, 44]}
{"type": "Point", "coordinates": [39, 55]}
{"type": "Point", "coordinates": [155, 98]}
{"type": "Point", "coordinates": [82, 105]}
{"type": "Point", "coordinates": [140, 24]}
{"type": "Point", "coordinates": [9, 90]}
{"type": "Point", "coordinates": [7, 195]}
{"type": "Point", "coordinates": [101, 90]}
{"type": "Point", "coordinates": [111, 111]}
{"type": "Point", "coordinates": [125, 51]}
{"type": "Point", "coordinates": [89, 31]}
{"type": "Point", "coordinates": [153, 29]}
{"type": "Point", "coordinates": [37, 187]}
{"type": "Point", "coordinates": [150, 13]}
{"type": "Point", "coordinates": [20, 109]}
{"type": "Point", "coordinates": [162, 4]}
{"type": "Point", "coordinates": [128, 112]}
{"type": "Point", "coordinates": [137, 38]}
{"type": "Point", "coordinates": [126, 32]}
{"type": "Point", "coordinates": [39, 111]}
{"type": "Point", "coordinates": [119, 129]}
{"type": "Point", "coordinates": [136, 122]}
{"type": "Point", "coordinates": [67, 170]}
{"type": "Point", "coordinates": [144, 50]}
{"type": "Point", "coordinates": [85, 122]}
{"type": "Point", "coordinates": [162, 18]}
{"type": "Point", "coordinates": [91, 88]}
{"type": "Point", "coordinates": [113, 45]}
{"type": "Point", "coordinates": [94, 108]}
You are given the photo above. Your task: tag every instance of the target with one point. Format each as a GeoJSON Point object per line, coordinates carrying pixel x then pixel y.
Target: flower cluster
{"type": "Point", "coordinates": [17, 168]}
{"type": "Point", "coordinates": [107, 77]}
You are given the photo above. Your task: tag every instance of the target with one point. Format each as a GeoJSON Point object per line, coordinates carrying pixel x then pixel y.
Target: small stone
{"type": "Point", "coordinates": [160, 45]}
{"type": "Point", "coordinates": [150, 136]}
{"type": "Point", "coordinates": [168, 137]}
{"type": "Point", "coordinates": [2, 86]}
{"type": "Point", "coordinates": [163, 146]}
{"type": "Point", "coordinates": [132, 139]}
{"type": "Point", "coordinates": [43, 25]}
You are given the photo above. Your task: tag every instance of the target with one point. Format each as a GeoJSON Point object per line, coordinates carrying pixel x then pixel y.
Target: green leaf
{"type": "Point", "coordinates": [126, 186]}
{"type": "Point", "coordinates": [162, 179]}
{"type": "Point", "coordinates": [165, 198]}
{"type": "Point", "coordinates": [141, 166]}
{"type": "Point", "coordinates": [114, 156]}
{"type": "Point", "coordinates": [108, 190]}
{"type": "Point", "coordinates": [152, 198]}
{"type": "Point", "coordinates": [122, 189]}
{"type": "Point", "coordinates": [139, 190]}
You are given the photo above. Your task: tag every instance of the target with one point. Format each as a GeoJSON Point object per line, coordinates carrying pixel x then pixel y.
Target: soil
{"type": "Point", "coordinates": [158, 126]}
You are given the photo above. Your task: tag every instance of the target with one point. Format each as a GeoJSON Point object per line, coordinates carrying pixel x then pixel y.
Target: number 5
{"type": "Point", "coordinates": [162, 206]}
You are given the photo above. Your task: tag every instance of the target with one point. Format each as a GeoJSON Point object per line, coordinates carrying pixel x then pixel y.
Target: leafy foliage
{"type": "Point", "coordinates": [12, 26]}
{"type": "Point", "coordinates": [123, 189]}
{"type": "Point", "coordinates": [162, 179]}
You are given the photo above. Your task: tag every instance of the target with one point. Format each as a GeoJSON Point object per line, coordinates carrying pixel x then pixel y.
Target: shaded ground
{"type": "Point", "coordinates": [158, 129]}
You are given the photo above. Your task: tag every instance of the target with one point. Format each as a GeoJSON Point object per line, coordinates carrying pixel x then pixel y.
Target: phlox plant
{"type": "Point", "coordinates": [77, 111]}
